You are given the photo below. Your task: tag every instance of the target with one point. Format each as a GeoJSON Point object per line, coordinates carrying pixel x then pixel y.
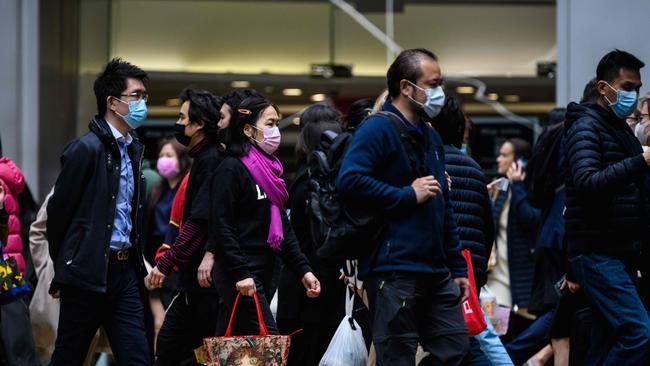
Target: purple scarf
{"type": "Point", "coordinates": [266, 172]}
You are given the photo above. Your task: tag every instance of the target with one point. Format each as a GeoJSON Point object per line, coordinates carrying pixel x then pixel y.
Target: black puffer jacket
{"type": "Point", "coordinates": [473, 209]}
{"type": "Point", "coordinates": [606, 176]}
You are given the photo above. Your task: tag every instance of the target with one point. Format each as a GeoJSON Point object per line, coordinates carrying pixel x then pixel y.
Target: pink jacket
{"type": "Point", "coordinates": [13, 183]}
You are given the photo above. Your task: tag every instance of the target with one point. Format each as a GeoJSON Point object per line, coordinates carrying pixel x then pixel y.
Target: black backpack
{"type": "Point", "coordinates": [339, 228]}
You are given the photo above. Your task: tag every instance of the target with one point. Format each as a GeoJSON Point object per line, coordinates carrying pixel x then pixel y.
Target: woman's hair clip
{"type": "Point", "coordinates": [244, 111]}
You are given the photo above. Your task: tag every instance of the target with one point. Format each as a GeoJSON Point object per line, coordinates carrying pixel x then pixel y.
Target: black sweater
{"type": "Point", "coordinates": [239, 226]}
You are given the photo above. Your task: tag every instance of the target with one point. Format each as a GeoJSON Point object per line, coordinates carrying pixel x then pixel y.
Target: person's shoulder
{"type": "Point", "coordinates": [231, 163]}
{"type": "Point", "coordinates": [84, 145]}
{"type": "Point", "coordinates": [379, 121]}
{"type": "Point", "coordinates": [209, 156]}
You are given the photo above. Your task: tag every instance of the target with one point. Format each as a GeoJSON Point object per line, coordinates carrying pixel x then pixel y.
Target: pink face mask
{"type": "Point", "coordinates": [167, 167]}
{"type": "Point", "coordinates": [271, 141]}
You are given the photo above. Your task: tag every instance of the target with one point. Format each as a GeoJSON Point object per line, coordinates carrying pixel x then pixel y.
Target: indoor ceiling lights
{"type": "Point", "coordinates": [292, 92]}
{"type": "Point", "coordinates": [465, 90]}
{"type": "Point", "coordinates": [318, 97]}
{"type": "Point", "coordinates": [240, 84]}
{"type": "Point", "coordinates": [492, 96]}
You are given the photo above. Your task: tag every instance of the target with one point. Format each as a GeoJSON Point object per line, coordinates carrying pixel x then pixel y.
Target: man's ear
{"type": "Point", "coordinates": [602, 88]}
{"type": "Point", "coordinates": [110, 103]}
{"type": "Point", "coordinates": [405, 87]}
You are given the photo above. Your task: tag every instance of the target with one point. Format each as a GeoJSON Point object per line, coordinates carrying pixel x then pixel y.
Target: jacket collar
{"type": "Point", "coordinates": [420, 127]}
{"type": "Point", "coordinates": [100, 127]}
{"type": "Point", "coordinates": [196, 150]}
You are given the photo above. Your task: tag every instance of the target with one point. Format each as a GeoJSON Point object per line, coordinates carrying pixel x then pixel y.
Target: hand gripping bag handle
{"type": "Point", "coordinates": [260, 319]}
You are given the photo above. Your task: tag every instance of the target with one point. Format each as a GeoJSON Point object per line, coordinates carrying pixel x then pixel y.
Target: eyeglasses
{"type": "Point", "coordinates": [137, 95]}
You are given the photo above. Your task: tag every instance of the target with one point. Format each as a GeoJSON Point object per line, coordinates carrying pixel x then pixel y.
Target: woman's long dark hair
{"type": "Point", "coordinates": [247, 113]}
{"type": "Point", "coordinates": [183, 166]}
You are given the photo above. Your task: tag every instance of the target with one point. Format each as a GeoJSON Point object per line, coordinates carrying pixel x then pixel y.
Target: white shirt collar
{"type": "Point", "coordinates": [118, 135]}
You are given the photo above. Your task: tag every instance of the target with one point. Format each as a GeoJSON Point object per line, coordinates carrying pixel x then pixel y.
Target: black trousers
{"type": "Point", "coordinates": [409, 308]}
{"type": "Point", "coordinates": [191, 317]}
{"type": "Point", "coordinates": [120, 311]}
{"type": "Point", "coordinates": [245, 322]}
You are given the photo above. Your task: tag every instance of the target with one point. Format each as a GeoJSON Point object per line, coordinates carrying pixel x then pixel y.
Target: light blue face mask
{"type": "Point", "coordinates": [625, 102]}
{"type": "Point", "coordinates": [463, 149]}
{"type": "Point", "coordinates": [137, 113]}
{"type": "Point", "coordinates": [435, 100]}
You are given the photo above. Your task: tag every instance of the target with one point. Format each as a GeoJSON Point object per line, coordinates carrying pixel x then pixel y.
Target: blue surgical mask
{"type": "Point", "coordinates": [625, 102]}
{"type": "Point", "coordinates": [463, 149]}
{"type": "Point", "coordinates": [137, 113]}
{"type": "Point", "coordinates": [435, 100]}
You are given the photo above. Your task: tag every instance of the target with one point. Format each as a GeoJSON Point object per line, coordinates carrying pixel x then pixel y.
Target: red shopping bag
{"type": "Point", "coordinates": [471, 307]}
{"type": "Point", "coordinates": [262, 349]}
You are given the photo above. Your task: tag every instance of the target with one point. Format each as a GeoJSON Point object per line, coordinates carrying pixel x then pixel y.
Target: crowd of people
{"type": "Point", "coordinates": [557, 241]}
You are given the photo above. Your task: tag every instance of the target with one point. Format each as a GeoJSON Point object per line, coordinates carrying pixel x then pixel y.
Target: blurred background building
{"type": "Point", "coordinates": [527, 55]}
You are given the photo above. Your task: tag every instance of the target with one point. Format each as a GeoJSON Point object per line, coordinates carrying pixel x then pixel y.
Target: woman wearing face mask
{"type": "Point", "coordinates": [516, 223]}
{"type": "Point", "coordinates": [192, 315]}
{"type": "Point", "coordinates": [172, 165]}
{"type": "Point", "coordinates": [248, 223]}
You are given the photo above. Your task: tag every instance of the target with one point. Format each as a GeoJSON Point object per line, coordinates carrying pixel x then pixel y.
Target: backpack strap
{"type": "Point", "coordinates": [412, 148]}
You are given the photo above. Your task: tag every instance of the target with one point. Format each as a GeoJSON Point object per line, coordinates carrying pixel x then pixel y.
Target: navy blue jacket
{"type": "Point", "coordinates": [605, 183]}
{"type": "Point", "coordinates": [376, 171]}
{"type": "Point", "coordinates": [523, 222]}
{"type": "Point", "coordinates": [473, 209]}
{"type": "Point", "coordinates": [82, 209]}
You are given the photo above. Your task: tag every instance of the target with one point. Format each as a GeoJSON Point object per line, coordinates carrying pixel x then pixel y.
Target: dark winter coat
{"type": "Point", "coordinates": [473, 209]}
{"type": "Point", "coordinates": [606, 178]}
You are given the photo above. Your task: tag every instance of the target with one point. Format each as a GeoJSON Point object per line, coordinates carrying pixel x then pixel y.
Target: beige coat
{"type": "Point", "coordinates": [44, 309]}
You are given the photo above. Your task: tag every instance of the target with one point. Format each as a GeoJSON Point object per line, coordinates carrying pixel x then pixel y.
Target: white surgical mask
{"type": "Point", "coordinates": [435, 100]}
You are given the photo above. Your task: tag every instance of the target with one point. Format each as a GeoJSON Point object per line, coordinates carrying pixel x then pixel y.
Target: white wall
{"type": "Point", "coordinates": [587, 30]}
{"type": "Point", "coordinates": [19, 86]}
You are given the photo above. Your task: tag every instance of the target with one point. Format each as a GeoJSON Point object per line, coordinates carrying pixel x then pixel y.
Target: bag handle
{"type": "Point", "coordinates": [260, 319]}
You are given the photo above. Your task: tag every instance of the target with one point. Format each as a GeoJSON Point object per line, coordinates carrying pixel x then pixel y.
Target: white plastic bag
{"type": "Point", "coordinates": [347, 347]}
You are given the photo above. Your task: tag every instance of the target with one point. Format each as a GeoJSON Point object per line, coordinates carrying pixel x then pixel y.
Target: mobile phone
{"type": "Point", "coordinates": [522, 163]}
{"type": "Point", "coordinates": [561, 292]}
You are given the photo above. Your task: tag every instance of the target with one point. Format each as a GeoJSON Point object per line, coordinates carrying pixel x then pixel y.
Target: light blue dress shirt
{"type": "Point", "coordinates": [121, 235]}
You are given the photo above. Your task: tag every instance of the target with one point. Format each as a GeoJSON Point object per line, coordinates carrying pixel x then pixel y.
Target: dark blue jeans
{"type": "Point", "coordinates": [120, 311]}
{"type": "Point", "coordinates": [407, 308]}
{"type": "Point", "coordinates": [617, 311]}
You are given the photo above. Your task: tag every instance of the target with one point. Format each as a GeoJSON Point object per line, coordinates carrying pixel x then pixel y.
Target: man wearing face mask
{"type": "Point", "coordinates": [95, 225]}
{"type": "Point", "coordinates": [607, 212]}
{"type": "Point", "coordinates": [416, 277]}
{"type": "Point", "coordinates": [193, 313]}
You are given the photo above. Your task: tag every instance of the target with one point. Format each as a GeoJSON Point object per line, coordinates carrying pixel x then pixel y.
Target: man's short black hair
{"type": "Point", "coordinates": [611, 64]}
{"type": "Point", "coordinates": [406, 67]}
{"type": "Point", "coordinates": [204, 107]}
{"type": "Point", "coordinates": [112, 81]}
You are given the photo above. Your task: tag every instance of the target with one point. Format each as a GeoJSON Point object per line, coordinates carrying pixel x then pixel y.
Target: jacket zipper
{"type": "Point", "coordinates": [137, 207]}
